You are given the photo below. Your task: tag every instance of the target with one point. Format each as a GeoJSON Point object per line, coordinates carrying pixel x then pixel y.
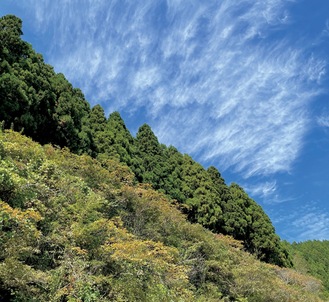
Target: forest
{"type": "Point", "coordinates": [91, 213]}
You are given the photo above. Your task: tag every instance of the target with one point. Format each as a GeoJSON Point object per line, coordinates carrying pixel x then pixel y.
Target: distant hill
{"type": "Point", "coordinates": [311, 257]}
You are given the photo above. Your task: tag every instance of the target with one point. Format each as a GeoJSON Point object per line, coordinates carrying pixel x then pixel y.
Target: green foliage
{"type": "Point", "coordinates": [82, 231]}
{"type": "Point", "coordinates": [122, 145]}
{"type": "Point", "coordinates": [246, 221]}
{"type": "Point", "coordinates": [312, 257]}
{"type": "Point", "coordinates": [34, 99]}
{"type": "Point", "coordinates": [152, 157]}
{"type": "Point", "coordinates": [11, 46]}
{"type": "Point", "coordinates": [97, 122]}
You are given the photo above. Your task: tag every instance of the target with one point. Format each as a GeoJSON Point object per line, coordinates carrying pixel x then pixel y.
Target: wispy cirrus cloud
{"type": "Point", "coordinates": [306, 222]}
{"type": "Point", "coordinates": [323, 121]}
{"type": "Point", "coordinates": [269, 191]}
{"type": "Point", "coordinates": [263, 190]}
{"type": "Point", "coordinates": [212, 77]}
{"type": "Point", "coordinates": [312, 225]}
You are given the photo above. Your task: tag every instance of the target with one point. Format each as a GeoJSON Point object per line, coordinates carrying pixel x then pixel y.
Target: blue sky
{"type": "Point", "coordinates": [242, 85]}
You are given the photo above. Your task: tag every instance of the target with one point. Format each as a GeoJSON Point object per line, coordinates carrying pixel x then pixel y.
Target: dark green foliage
{"type": "Point", "coordinates": [246, 221]}
{"type": "Point", "coordinates": [147, 142]}
{"type": "Point", "coordinates": [113, 140]}
{"type": "Point", "coordinates": [34, 99]}
{"type": "Point", "coordinates": [71, 114]}
{"type": "Point", "coordinates": [12, 48]}
{"type": "Point", "coordinates": [121, 142]}
{"type": "Point", "coordinates": [97, 122]}
{"type": "Point", "coordinates": [173, 182]}
{"type": "Point", "coordinates": [204, 204]}
{"type": "Point", "coordinates": [153, 157]}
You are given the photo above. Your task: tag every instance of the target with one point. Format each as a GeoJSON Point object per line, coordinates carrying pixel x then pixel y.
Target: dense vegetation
{"type": "Point", "coordinates": [77, 229]}
{"type": "Point", "coordinates": [45, 106]}
{"type": "Point", "coordinates": [84, 223]}
{"type": "Point", "coordinates": [311, 257]}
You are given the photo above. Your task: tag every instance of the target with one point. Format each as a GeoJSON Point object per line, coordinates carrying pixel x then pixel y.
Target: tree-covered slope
{"type": "Point", "coordinates": [311, 257]}
{"type": "Point", "coordinates": [73, 228]}
{"type": "Point", "coordinates": [44, 105]}
{"type": "Point", "coordinates": [35, 98]}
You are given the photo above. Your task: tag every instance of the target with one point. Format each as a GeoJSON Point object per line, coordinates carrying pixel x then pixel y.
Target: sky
{"type": "Point", "coordinates": [241, 85]}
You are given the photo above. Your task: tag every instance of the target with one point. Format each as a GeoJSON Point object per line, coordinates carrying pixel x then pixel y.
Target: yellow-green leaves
{"type": "Point", "coordinates": [19, 235]}
{"type": "Point", "coordinates": [73, 228]}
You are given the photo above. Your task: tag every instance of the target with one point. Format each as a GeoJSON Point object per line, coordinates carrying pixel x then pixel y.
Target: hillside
{"type": "Point", "coordinates": [92, 213]}
{"type": "Point", "coordinates": [311, 257]}
{"type": "Point", "coordinates": [44, 106]}
{"type": "Point", "coordinates": [76, 229]}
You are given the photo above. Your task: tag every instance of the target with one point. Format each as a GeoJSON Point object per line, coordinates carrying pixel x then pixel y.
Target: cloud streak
{"type": "Point", "coordinates": [306, 222]}
{"type": "Point", "coordinates": [216, 78]}
{"type": "Point", "coordinates": [323, 121]}
{"type": "Point", "coordinates": [312, 225]}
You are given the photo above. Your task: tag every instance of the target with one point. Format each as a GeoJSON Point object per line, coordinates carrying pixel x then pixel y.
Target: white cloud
{"type": "Point", "coordinates": [313, 225]}
{"type": "Point", "coordinates": [306, 222]}
{"type": "Point", "coordinates": [323, 121]}
{"type": "Point", "coordinates": [263, 190]}
{"type": "Point", "coordinates": [267, 191]}
{"type": "Point", "coordinates": [213, 81]}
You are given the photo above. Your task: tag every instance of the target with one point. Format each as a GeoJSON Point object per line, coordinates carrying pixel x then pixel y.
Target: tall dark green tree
{"type": "Point", "coordinates": [98, 122]}
{"type": "Point", "coordinates": [200, 193]}
{"type": "Point", "coordinates": [122, 144]}
{"type": "Point", "coordinates": [172, 183]}
{"type": "Point", "coordinates": [71, 112]}
{"type": "Point", "coordinates": [12, 48]}
{"type": "Point", "coordinates": [247, 221]}
{"type": "Point", "coordinates": [14, 100]}
{"type": "Point", "coordinates": [121, 141]}
{"type": "Point", "coordinates": [37, 100]}
{"type": "Point", "coordinates": [153, 158]}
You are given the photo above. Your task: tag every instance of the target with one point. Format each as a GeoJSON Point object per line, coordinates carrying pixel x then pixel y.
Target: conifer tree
{"type": "Point", "coordinates": [152, 156]}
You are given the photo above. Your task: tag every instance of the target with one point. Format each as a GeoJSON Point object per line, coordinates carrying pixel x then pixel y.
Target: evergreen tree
{"type": "Point", "coordinates": [122, 145]}
{"type": "Point", "coordinates": [37, 100]}
{"type": "Point", "coordinates": [12, 48]}
{"type": "Point", "coordinates": [98, 125]}
{"type": "Point", "coordinates": [121, 141]}
{"type": "Point", "coordinates": [247, 221]}
{"type": "Point", "coordinates": [172, 183]}
{"type": "Point", "coordinates": [153, 158]}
